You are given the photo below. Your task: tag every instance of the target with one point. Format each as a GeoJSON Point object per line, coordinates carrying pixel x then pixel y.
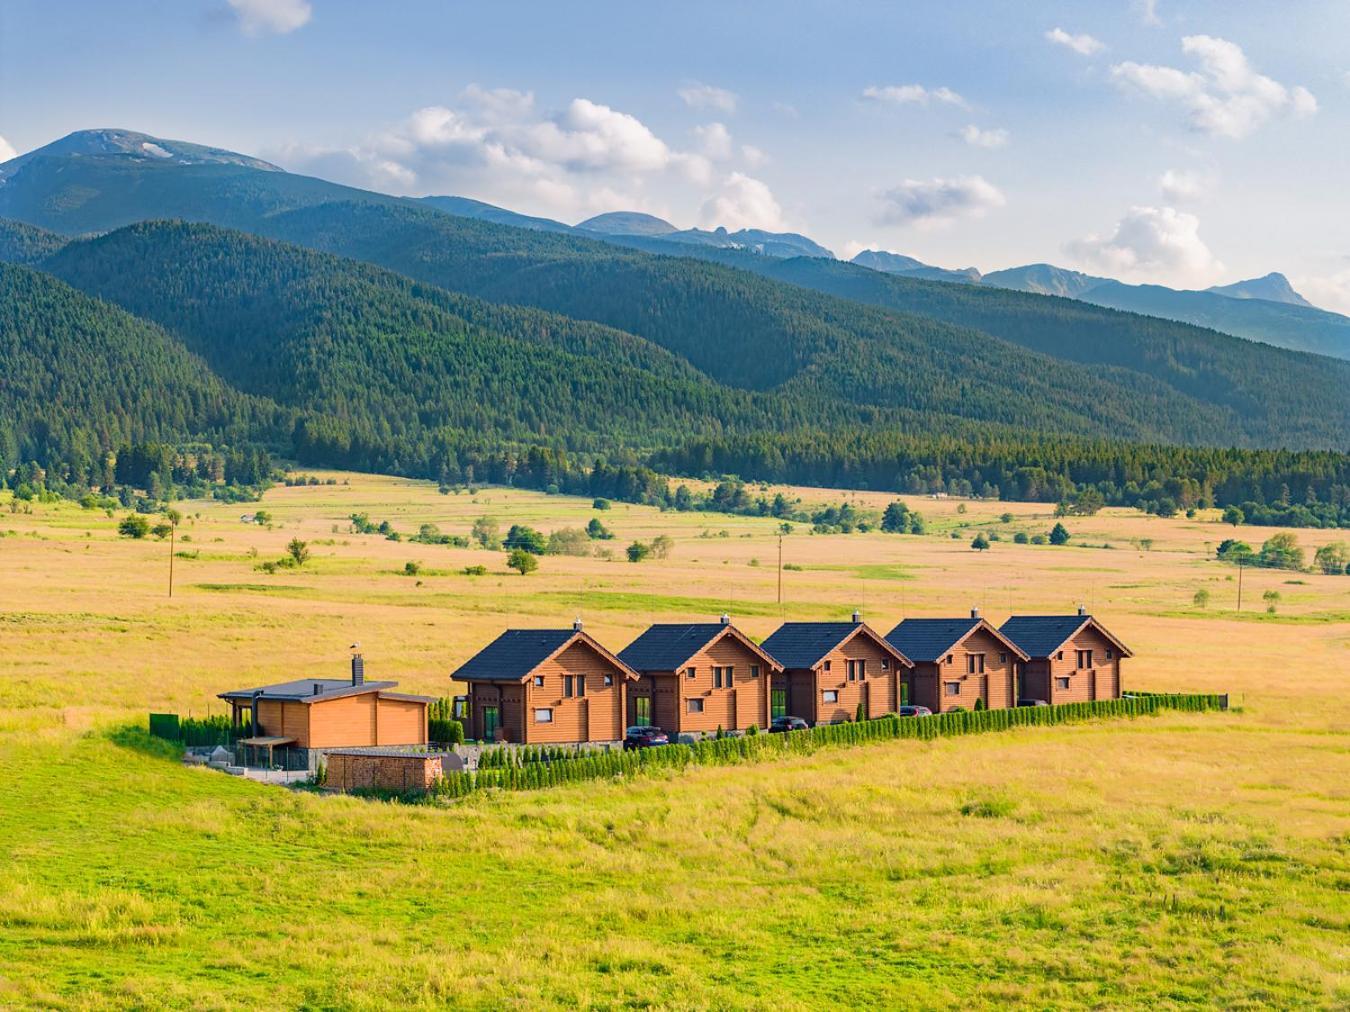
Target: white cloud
{"type": "Point", "coordinates": [938, 201]}
{"type": "Point", "coordinates": [705, 96]}
{"type": "Point", "coordinates": [1083, 44]}
{"type": "Point", "coordinates": [744, 202]}
{"type": "Point", "coordinates": [1151, 245]}
{"type": "Point", "coordinates": [912, 94]}
{"type": "Point", "coordinates": [1225, 97]}
{"type": "Point", "coordinates": [714, 140]}
{"type": "Point", "coordinates": [1328, 292]}
{"type": "Point", "coordinates": [853, 247]}
{"type": "Point", "coordinates": [752, 155]}
{"type": "Point", "coordinates": [1179, 185]}
{"type": "Point", "coordinates": [7, 150]}
{"type": "Point", "coordinates": [993, 138]}
{"type": "Point", "coordinates": [276, 17]}
{"type": "Point", "coordinates": [1148, 12]}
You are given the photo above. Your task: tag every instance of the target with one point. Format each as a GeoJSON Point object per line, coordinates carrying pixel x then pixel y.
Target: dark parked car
{"type": "Point", "coordinates": [644, 736]}
{"type": "Point", "coordinates": [787, 724]}
{"type": "Point", "coordinates": [915, 711]}
{"type": "Point", "coordinates": [1032, 702]}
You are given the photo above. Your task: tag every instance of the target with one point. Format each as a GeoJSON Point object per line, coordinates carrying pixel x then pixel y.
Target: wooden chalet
{"type": "Point", "coordinates": [830, 669]}
{"type": "Point", "coordinates": [321, 713]}
{"type": "Point", "coordinates": [698, 677]}
{"type": "Point", "coordinates": [546, 686]}
{"type": "Point", "coordinates": [958, 661]}
{"type": "Point", "coordinates": [1072, 658]}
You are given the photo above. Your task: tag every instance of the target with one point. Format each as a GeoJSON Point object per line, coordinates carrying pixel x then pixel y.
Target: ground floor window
{"type": "Point", "coordinates": [778, 703]}
{"type": "Point", "coordinates": [1062, 683]}
{"type": "Point", "coordinates": [642, 710]}
{"type": "Point", "coordinates": [491, 721]}
{"type": "Point", "coordinates": [543, 715]}
{"type": "Point", "coordinates": [694, 705]}
{"type": "Point", "coordinates": [951, 688]}
{"type": "Point", "coordinates": [830, 695]}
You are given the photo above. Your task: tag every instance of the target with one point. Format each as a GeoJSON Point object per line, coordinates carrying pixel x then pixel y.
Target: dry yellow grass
{"type": "Point", "coordinates": [1185, 859]}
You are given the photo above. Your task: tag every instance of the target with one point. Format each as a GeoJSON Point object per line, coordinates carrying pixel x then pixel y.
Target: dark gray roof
{"type": "Point", "coordinates": [1041, 635]}
{"type": "Point", "coordinates": [927, 639]}
{"type": "Point", "coordinates": [513, 655]}
{"type": "Point", "coordinates": [303, 689]}
{"type": "Point", "coordinates": [803, 644]}
{"type": "Point", "coordinates": [667, 646]}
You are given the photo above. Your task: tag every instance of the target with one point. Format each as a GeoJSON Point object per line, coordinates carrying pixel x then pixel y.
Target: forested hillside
{"type": "Point", "coordinates": [79, 378]}
{"type": "Point", "coordinates": [26, 244]}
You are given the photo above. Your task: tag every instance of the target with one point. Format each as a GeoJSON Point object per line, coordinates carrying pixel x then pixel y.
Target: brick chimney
{"type": "Point", "coordinates": [358, 670]}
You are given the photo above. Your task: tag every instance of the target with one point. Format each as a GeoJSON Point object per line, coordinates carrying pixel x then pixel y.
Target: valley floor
{"type": "Point", "coordinates": [1183, 859]}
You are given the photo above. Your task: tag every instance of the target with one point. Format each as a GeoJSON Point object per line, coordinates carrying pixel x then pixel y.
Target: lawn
{"type": "Point", "coordinates": [1181, 859]}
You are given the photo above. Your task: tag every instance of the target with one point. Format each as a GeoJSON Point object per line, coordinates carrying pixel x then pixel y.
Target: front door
{"type": "Point", "coordinates": [778, 703]}
{"type": "Point", "coordinates": [491, 721]}
{"type": "Point", "coordinates": [642, 710]}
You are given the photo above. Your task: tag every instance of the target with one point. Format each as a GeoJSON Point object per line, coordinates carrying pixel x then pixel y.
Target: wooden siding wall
{"type": "Point", "coordinates": [402, 722]}
{"type": "Point", "coordinates": [1101, 681]}
{"type": "Point", "coordinates": [347, 720]}
{"type": "Point", "coordinates": [876, 691]}
{"type": "Point", "coordinates": [508, 697]}
{"type": "Point", "coordinates": [732, 708]}
{"type": "Point", "coordinates": [283, 719]}
{"type": "Point", "coordinates": [997, 686]}
{"type": "Point", "coordinates": [596, 716]}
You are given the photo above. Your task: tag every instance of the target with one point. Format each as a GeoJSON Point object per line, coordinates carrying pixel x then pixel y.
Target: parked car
{"type": "Point", "coordinates": [788, 724]}
{"type": "Point", "coordinates": [1032, 702]}
{"type": "Point", "coordinates": [915, 711]}
{"type": "Point", "coordinates": [644, 736]}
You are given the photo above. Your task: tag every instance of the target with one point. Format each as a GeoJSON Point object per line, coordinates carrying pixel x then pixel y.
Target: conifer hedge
{"type": "Point", "coordinates": [535, 767]}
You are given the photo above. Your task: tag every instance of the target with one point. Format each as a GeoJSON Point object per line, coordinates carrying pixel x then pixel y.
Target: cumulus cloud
{"type": "Point", "coordinates": [743, 202]}
{"type": "Point", "coordinates": [938, 201]}
{"type": "Point", "coordinates": [705, 96]}
{"type": "Point", "coordinates": [1328, 291]}
{"type": "Point", "coordinates": [1151, 245]}
{"type": "Point", "coordinates": [7, 150]}
{"type": "Point", "coordinates": [912, 94]}
{"type": "Point", "coordinates": [274, 17]}
{"type": "Point", "coordinates": [1083, 44]}
{"type": "Point", "coordinates": [1178, 185]}
{"type": "Point", "coordinates": [499, 145]}
{"type": "Point", "coordinates": [993, 138]}
{"type": "Point", "coordinates": [1226, 97]}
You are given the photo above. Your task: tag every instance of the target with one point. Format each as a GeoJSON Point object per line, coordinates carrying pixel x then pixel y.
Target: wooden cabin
{"type": "Point", "coordinates": [959, 661]}
{"type": "Point", "coordinates": [698, 677]}
{"type": "Point", "coordinates": [546, 686]}
{"type": "Point", "coordinates": [830, 669]}
{"type": "Point", "coordinates": [320, 713]}
{"type": "Point", "coordinates": [1073, 658]}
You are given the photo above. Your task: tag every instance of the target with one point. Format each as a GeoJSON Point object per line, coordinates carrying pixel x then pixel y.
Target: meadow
{"type": "Point", "coordinates": [1175, 860]}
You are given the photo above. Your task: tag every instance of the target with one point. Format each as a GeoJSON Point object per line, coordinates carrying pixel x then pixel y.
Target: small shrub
{"type": "Point", "coordinates": [133, 525]}
{"type": "Point", "coordinates": [522, 561]}
{"type": "Point", "coordinates": [411, 568]}
{"type": "Point", "coordinates": [475, 570]}
{"type": "Point", "coordinates": [1201, 598]}
{"type": "Point", "coordinates": [600, 504]}
{"type": "Point", "coordinates": [988, 808]}
{"type": "Point", "coordinates": [1020, 538]}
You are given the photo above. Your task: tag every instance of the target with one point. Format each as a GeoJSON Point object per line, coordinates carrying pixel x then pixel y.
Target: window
{"type": "Point", "coordinates": [975, 664]}
{"type": "Point", "coordinates": [1084, 658]}
{"type": "Point", "coordinates": [754, 671]}
{"type": "Point", "coordinates": [1003, 658]}
{"type": "Point", "coordinates": [609, 680]}
{"type": "Point", "coordinates": [688, 672]}
{"type": "Point", "coordinates": [567, 685]}
{"type": "Point", "coordinates": [581, 685]}
{"type": "Point", "coordinates": [827, 665]}
{"type": "Point", "coordinates": [693, 705]}
{"type": "Point", "coordinates": [538, 681]}
{"type": "Point", "coordinates": [1109, 653]}
{"type": "Point", "coordinates": [1062, 682]}
{"type": "Point", "coordinates": [731, 677]}
{"type": "Point", "coordinates": [885, 664]}
{"type": "Point", "coordinates": [830, 695]}
{"type": "Point", "coordinates": [717, 678]}
{"type": "Point", "coordinates": [852, 671]}
{"type": "Point", "coordinates": [951, 688]}
{"type": "Point", "coordinates": [543, 715]}
{"type": "Point", "coordinates": [949, 658]}
{"type": "Point", "coordinates": [460, 708]}
{"type": "Point", "coordinates": [1059, 656]}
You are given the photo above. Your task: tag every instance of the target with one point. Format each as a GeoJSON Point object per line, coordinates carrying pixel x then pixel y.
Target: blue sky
{"type": "Point", "coordinates": [1180, 142]}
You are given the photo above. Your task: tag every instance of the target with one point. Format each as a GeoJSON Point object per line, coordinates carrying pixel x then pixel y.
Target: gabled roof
{"type": "Point", "coordinates": [1042, 635]}
{"type": "Point", "coordinates": [927, 639]}
{"type": "Point", "coordinates": [304, 690]}
{"type": "Point", "coordinates": [669, 646]}
{"type": "Point", "coordinates": [805, 644]}
{"type": "Point", "coordinates": [517, 652]}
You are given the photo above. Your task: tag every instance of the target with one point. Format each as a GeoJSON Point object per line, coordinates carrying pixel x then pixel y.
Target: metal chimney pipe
{"type": "Point", "coordinates": [358, 670]}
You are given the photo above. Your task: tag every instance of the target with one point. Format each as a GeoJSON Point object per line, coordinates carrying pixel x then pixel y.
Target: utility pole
{"type": "Point", "coordinates": [780, 575]}
{"type": "Point", "coordinates": [1240, 557]}
{"type": "Point", "coordinates": [173, 529]}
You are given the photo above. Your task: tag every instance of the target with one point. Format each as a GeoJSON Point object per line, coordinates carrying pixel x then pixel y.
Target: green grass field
{"type": "Point", "coordinates": [1185, 859]}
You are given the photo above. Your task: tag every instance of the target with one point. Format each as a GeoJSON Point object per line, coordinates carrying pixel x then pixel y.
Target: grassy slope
{"type": "Point", "coordinates": [1188, 858]}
